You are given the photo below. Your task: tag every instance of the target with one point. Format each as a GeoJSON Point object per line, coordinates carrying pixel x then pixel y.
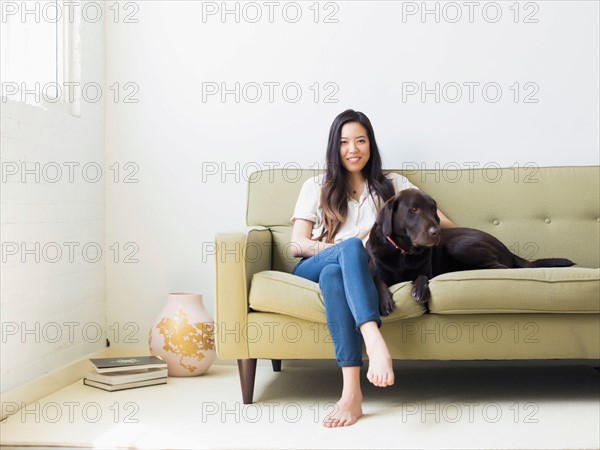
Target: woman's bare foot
{"type": "Point", "coordinates": [347, 411]}
{"type": "Point", "coordinates": [349, 408]}
{"type": "Point", "coordinates": [381, 371]}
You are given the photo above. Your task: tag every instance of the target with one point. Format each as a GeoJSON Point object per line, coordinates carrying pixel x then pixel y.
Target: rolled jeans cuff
{"type": "Point", "coordinates": [375, 319]}
{"type": "Point", "coordinates": [350, 363]}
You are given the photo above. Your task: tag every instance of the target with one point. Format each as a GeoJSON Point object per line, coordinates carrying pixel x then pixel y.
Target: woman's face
{"type": "Point", "coordinates": [355, 149]}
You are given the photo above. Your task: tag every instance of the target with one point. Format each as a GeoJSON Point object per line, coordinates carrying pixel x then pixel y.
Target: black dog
{"type": "Point", "coordinates": [407, 244]}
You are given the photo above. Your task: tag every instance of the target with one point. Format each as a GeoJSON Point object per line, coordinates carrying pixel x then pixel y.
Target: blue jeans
{"type": "Point", "coordinates": [349, 294]}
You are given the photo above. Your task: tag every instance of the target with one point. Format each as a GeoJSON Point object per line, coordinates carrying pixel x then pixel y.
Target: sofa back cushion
{"type": "Point", "coordinates": [538, 212]}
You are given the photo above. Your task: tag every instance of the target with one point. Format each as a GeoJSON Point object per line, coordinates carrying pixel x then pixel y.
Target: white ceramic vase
{"type": "Point", "coordinates": [183, 335]}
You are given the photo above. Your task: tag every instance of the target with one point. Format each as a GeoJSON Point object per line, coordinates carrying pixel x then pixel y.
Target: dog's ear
{"type": "Point", "coordinates": [435, 209]}
{"type": "Point", "coordinates": [387, 214]}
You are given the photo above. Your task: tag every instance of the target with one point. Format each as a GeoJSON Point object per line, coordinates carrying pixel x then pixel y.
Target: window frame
{"type": "Point", "coordinates": [67, 61]}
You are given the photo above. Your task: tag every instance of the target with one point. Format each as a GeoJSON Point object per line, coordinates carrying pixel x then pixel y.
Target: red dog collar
{"type": "Point", "coordinates": [391, 241]}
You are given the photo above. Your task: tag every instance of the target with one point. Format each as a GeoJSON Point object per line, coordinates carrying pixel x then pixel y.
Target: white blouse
{"type": "Point", "coordinates": [361, 213]}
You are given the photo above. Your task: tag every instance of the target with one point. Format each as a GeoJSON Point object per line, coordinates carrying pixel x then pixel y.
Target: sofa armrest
{"type": "Point", "coordinates": [238, 257]}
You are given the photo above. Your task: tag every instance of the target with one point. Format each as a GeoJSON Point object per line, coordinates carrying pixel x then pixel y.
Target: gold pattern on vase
{"type": "Point", "coordinates": [188, 340]}
{"type": "Point", "coordinates": [183, 335]}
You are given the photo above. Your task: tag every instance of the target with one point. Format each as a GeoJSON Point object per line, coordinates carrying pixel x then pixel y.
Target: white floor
{"type": "Point", "coordinates": [443, 406]}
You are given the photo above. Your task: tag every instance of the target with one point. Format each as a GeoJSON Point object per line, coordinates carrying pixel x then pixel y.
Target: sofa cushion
{"type": "Point", "coordinates": [283, 293]}
{"type": "Point", "coordinates": [536, 290]}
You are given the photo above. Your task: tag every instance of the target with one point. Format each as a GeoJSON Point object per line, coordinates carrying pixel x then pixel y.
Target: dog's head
{"type": "Point", "coordinates": [410, 219]}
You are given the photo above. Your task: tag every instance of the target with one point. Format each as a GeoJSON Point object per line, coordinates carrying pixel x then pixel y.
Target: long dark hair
{"type": "Point", "coordinates": [334, 193]}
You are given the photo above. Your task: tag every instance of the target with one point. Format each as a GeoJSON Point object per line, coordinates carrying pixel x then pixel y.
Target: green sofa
{"type": "Point", "coordinates": [262, 311]}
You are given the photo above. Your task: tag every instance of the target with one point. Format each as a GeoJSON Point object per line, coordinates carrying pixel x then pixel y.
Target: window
{"type": "Point", "coordinates": [40, 57]}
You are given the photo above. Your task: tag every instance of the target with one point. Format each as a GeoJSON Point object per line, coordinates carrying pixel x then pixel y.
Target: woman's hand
{"type": "Point", "coordinates": [302, 245]}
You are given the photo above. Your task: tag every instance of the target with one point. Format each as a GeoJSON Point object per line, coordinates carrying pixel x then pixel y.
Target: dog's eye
{"type": "Point", "coordinates": [414, 210]}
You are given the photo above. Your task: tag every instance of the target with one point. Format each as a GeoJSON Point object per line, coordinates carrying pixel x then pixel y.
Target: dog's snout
{"type": "Point", "coordinates": [434, 231]}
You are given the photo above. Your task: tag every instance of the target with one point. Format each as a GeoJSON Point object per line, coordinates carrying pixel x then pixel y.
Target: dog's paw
{"type": "Point", "coordinates": [386, 303]}
{"type": "Point", "coordinates": [420, 290]}
{"type": "Point", "coordinates": [421, 294]}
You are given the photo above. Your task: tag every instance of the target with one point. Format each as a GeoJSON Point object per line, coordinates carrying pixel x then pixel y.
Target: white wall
{"type": "Point", "coordinates": [51, 309]}
{"type": "Point", "coordinates": [370, 54]}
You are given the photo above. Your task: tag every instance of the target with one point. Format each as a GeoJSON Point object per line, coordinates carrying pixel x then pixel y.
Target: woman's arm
{"type": "Point", "coordinates": [444, 221]}
{"type": "Point", "coordinates": [302, 245]}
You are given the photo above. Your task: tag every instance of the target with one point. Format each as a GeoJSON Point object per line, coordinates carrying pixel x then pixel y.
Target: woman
{"type": "Point", "coordinates": [332, 219]}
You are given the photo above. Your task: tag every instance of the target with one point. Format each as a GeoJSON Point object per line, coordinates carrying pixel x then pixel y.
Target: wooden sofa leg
{"type": "Point", "coordinates": [247, 369]}
{"type": "Point", "coordinates": [276, 365]}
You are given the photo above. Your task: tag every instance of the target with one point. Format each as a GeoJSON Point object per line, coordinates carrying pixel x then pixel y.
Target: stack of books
{"type": "Point", "coordinates": [116, 374]}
